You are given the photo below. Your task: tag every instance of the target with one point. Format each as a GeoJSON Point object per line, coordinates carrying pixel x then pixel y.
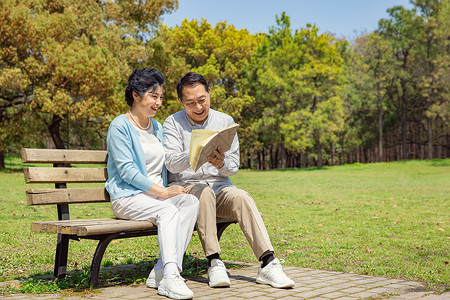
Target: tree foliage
{"type": "Point", "coordinates": [65, 62]}
{"type": "Point", "coordinates": [301, 97]}
{"type": "Point", "coordinates": [295, 79]}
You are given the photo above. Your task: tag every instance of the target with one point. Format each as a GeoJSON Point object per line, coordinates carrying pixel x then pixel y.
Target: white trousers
{"type": "Point", "coordinates": [175, 218]}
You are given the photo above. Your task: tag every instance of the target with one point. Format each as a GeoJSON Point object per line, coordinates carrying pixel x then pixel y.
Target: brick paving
{"type": "Point", "coordinates": [310, 284]}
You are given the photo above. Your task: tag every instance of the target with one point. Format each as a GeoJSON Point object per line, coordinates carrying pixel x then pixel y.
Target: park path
{"type": "Point", "coordinates": [310, 284]}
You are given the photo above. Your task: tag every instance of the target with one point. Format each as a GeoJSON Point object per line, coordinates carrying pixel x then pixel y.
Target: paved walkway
{"type": "Point", "coordinates": [310, 284]}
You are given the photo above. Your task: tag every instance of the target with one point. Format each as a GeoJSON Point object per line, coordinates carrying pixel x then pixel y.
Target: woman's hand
{"type": "Point", "coordinates": [172, 190]}
{"type": "Point", "coordinates": [166, 192]}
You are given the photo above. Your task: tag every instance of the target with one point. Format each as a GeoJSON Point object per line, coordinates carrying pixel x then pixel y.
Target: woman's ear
{"type": "Point", "coordinates": [136, 96]}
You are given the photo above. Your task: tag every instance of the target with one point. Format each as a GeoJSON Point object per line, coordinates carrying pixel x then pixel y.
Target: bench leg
{"type": "Point", "coordinates": [97, 259]}
{"type": "Point", "coordinates": [62, 249]}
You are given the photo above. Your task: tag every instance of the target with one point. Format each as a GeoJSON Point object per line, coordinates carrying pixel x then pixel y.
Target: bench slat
{"type": "Point", "coordinates": [63, 156]}
{"type": "Point", "coordinates": [87, 227]}
{"type": "Point", "coordinates": [64, 175]}
{"type": "Point", "coordinates": [66, 196]}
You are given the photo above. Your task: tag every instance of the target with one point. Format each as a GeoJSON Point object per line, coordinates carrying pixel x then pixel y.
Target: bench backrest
{"type": "Point", "coordinates": [62, 173]}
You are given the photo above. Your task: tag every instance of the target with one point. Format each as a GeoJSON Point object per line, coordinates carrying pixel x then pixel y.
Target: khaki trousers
{"type": "Point", "coordinates": [230, 202]}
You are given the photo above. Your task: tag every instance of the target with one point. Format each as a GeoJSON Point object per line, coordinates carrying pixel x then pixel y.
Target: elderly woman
{"type": "Point", "coordinates": [137, 180]}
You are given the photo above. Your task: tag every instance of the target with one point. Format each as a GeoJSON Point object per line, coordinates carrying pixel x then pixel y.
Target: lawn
{"type": "Point", "coordinates": [385, 219]}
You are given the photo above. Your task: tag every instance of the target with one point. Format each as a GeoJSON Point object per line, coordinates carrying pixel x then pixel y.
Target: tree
{"type": "Point", "coordinates": [295, 80]}
{"type": "Point", "coordinates": [66, 60]}
{"type": "Point", "coordinates": [401, 30]}
{"type": "Point", "coordinates": [371, 73]}
{"type": "Point", "coordinates": [418, 40]}
{"type": "Point", "coordinates": [220, 54]}
{"type": "Point", "coordinates": [433, 66]}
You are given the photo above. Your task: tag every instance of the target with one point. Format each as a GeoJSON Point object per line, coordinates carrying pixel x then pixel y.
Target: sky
{"type": "Point", "coordinates": [344, 18]}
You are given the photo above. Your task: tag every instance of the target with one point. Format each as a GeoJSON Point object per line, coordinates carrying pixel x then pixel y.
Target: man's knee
{"type": "Point", "coordinates": [241, 198]}
{"type": "Point", "coordinates": [243, 203]}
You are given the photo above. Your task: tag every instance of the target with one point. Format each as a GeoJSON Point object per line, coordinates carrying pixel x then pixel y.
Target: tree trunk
{"type": "Point", "coordinates": [333, 154]}
{"type": "Point", "coordinates": [429, 140]}
{"type": "Point", "coordinates": [2, 160]}
{"type": "Point", "coordinates": [55, 133]}
{"type": "Point", "coordinates": [403, 117]}
{"type": "Point", "coordinates": [380, 129]}
{"type": "Point", "coordinates": [319, 154]}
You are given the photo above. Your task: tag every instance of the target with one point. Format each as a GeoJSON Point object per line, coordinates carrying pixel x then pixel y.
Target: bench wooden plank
{"type": "Point", "coordinates": [67, 196]}
{"type": "Point", "coordinates": [64, 175]}
{"type": "Point", "coordinates": [87, 227]}
{"type": "Point", "coordinates": [63, 156]}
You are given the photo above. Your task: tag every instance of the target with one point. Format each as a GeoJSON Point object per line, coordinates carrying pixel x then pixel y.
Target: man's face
{"type": "Point", "coordinates": [196, 102]}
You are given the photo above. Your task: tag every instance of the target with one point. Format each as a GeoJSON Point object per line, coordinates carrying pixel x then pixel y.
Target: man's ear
{"type": "Point", "coordinates": [180, 100]}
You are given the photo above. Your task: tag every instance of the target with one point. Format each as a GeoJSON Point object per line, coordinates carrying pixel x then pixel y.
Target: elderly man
{"type": "Point", "coordinates": [212, 185]}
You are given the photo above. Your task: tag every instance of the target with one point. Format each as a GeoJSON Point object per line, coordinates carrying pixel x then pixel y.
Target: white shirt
{"type": "Point", "coordinates": [177, 137]}
{"type": "Point", "coordinates": [154, 154]}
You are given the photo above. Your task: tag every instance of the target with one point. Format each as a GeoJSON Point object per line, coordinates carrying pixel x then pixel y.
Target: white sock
{"type": "Point", "coordinates": [170, 268]}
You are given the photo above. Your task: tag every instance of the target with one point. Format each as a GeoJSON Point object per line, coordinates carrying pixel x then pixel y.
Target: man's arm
{"type": "Point", "coordinates": [232, 159]}
{"type": "Point", "coordinates": [177, 158]}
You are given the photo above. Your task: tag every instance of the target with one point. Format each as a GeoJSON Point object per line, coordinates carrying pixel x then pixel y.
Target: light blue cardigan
{"type": "Point", "coordinates": [127, 173]}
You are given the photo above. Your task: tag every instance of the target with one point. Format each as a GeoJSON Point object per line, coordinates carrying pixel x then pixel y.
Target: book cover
{"type": "Point", "coordinates": [205, 141]}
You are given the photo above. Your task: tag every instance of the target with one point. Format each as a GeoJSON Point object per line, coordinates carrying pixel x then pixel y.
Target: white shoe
{"type": "Point", "coordinates": [273, 275]}
{"type": "Point", "coordinates": [174, 287]}
{"type": "Point", "coordinates": [217, 274]}
{"type": "Point", "coordinates": [154, 278]}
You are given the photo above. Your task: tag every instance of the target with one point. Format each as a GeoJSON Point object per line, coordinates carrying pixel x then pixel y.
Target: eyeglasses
{"type": "Point", "coordinates": [192, 104]}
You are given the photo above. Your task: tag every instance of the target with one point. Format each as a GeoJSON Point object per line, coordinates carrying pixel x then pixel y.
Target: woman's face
{"type": "Point", "coordinates": [150, 102]}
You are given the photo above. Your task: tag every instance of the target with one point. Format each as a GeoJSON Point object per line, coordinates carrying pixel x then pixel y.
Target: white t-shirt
{"type": "Point", "coordinates": [154, 154]}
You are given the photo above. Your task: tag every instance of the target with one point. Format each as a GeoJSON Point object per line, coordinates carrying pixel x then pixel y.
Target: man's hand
{"type": "Point", "coordinates": [217, 158]}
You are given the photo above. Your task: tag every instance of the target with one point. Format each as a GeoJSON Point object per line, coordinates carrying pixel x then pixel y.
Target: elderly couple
{"type": "Point", "coordinates": [150, 178]}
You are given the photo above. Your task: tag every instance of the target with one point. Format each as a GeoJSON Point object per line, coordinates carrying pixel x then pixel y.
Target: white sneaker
{"type": "Point", "coordinates": [273, 275]}
{"type": "Point", "coordinates": [217, 274]}
{"type": "Point", "coordinates": [174, 287]}
{"type": "Point", "coordinates": [154, 278]}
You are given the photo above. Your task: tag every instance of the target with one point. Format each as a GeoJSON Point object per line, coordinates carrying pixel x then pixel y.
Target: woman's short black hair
{"type": "Point", "coordinates": [190, 79]}
{"type": "Point", "coordinates": [142, 81]}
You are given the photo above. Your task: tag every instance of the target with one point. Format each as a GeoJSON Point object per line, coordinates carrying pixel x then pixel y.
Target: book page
{"type": "Point", "coordinates": [197, 137]}
{"type": "Point", "coordinates": [223, 139]}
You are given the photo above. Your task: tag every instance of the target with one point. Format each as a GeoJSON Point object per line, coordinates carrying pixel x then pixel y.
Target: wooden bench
{"type": "Point", "coordinates": [103, 230]}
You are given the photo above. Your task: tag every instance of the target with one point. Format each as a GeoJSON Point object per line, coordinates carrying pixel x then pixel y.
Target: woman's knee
{"type": "Point", "coordinates": [191, 200]}
{"type": "Point", "coordinates": [191, 203]}
{"type": "Point", "coordinates": [168, 209]}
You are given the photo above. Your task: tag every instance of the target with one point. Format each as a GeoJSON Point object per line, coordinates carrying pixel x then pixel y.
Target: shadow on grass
{"type": "Point", "coordinates": [11, 170]}
{"type": "Point", "coordinates": [77, 282]}
{"type": "Point", "coordinates": [292, 169]}
{"type": "Point", "coordinates": [440, 162]}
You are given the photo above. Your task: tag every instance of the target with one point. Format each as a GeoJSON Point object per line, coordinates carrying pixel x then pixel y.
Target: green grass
{"type": "Point", "coordinates": [386, 219]}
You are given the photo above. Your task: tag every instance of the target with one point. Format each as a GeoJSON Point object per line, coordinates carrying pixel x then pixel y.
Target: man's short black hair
{"type": "Point", "coordinates": [190, 79]}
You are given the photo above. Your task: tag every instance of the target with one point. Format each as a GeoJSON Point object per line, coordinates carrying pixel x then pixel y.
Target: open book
{"type": "Point", "coordinates": [205, 141]}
